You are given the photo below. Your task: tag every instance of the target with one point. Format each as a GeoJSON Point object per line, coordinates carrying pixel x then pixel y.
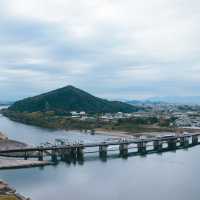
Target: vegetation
{"type": "Point", "coordinates": [50, 120]}
{"type": "Point", "coordinates": [67, 99]}
{"type": "Point", "coordinates": [52, 110]}
{"type": "Point", "coordinates": [8, 197]}
{"type": "Point", "coordinates": [140, 124]}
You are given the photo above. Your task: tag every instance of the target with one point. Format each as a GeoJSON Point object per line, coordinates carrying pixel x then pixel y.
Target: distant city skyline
{"type": "Point", "coordinates": [112, 49]}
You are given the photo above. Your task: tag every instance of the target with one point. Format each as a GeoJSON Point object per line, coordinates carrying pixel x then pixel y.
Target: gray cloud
{"type": "Point", "coordinates": [114, 49]}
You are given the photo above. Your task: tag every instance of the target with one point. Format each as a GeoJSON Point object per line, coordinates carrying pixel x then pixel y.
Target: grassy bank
{"type": "Point", "coordinates": [8, 193]}
{"type": "Point", "coordinates": [8, 197]}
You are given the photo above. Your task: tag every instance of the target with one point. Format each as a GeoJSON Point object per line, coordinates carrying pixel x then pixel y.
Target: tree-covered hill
{"type": "Point", "coordinates": [68, 99]}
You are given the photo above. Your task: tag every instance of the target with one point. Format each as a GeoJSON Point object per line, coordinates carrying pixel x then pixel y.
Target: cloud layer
{"type": "Point", "coordinates": [112, 48]}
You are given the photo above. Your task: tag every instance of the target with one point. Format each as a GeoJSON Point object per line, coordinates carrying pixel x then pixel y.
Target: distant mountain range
{"type": "Point", "coordinates": [177, 99]}
{"type": "Point", "coordinates": [5, 103]}
{"type": "Point", "coordinates": [187, 100]}
{"type": "Point", "coordinates": [68, 99]}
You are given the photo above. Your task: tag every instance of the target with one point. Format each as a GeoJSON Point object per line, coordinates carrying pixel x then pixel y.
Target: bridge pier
{"type": "Point", "coordinates": [103, 151]}
{"type": "Point", "coordinates": [172, 143]}
{"type": "Point", "coordinates": [73, 153]}
{"type": "Point", "coordinates": [80, 153]}
{"type": "Point", "coordinates": [63, 154]}
{"type": "Point", "coordinates": [195, 140]}
{"type": "Point", "coordinates": [54, 155]}
{"type": "Point", "coordinates": [157, 145]}
{"type": "Point", "coordinates": [40, 155]}
{"type": "Point", "coordinates": [25, 155]}
{"type": "Point", "coordinates": [66, 155]}
{"type": "Point", "coordinates": [123, 150]}
{"type": "Point", "coordinates": [141, 147]}
{"type": "Point", "coordinates": [184, 142]}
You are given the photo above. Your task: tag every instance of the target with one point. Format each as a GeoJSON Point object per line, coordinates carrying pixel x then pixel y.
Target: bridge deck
{"type": "Point", "coordinates": [98, 144]}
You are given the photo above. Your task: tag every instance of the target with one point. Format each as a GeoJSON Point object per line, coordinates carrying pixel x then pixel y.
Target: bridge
{"type": "Point", "coordinates": [76, 151]}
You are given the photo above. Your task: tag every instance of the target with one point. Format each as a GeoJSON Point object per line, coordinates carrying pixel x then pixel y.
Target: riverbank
{"type": "Point", "coordinates": [9, 193]}
{"type": "Point", "coordinates": [113, 133]}
{"type": "Point", "coordinates": [8, 163]}
{"type": "Point", "coordinates": [130, 134]}
{"type": "Point", "coordinates": [3, 136]}
{"type": "Point", "coordinates": [11, 144]}
{"type": "Point", "coordinates": [128, 126]}
{"type": "Point", "coordinates": [116, 130]}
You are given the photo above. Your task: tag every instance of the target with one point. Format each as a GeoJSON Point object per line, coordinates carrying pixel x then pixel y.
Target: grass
{"type": "Point", "coordinates": [8, 197]}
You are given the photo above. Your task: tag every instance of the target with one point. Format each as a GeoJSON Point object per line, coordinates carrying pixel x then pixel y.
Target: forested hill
{"type": "Point", "coordinates": [69, 99]}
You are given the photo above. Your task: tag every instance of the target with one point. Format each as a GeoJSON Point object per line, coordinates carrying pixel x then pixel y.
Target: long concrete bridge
{"type": "Point", "coordinates": [75, 151]}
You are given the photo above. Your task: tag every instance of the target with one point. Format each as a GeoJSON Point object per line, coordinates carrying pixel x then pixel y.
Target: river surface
{"type": "Point", "coordinates": [171, 175]}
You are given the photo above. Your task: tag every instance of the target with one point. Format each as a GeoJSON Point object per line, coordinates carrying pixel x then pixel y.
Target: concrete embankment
{"type": "Point", "coordinates": [12, 163]}
{"type": "Point", "coordinates": [6, 163]}
{"type": "Point", "coordinates": [12, 144]}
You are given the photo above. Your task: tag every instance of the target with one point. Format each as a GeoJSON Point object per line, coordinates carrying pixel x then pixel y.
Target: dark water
{"type": "Point", "coordinates": [171, 175]}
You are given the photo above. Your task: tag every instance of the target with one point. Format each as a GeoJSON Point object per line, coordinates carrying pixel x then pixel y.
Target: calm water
{"type": "Point", "coordinates": [171, 175]}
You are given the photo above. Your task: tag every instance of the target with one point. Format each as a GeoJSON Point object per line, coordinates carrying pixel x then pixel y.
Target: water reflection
{"type": "Point", "coordinates": [170, 175]}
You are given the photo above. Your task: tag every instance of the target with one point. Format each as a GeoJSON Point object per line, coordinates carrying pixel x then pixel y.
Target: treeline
{"type": "Point", "coordinates": [51, 120]}
{"type": "Point", "coordinates": [144, 124]}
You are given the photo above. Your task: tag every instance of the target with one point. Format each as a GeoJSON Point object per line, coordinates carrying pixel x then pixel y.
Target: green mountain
{"type": "Point", "coordinates": [68, 99]}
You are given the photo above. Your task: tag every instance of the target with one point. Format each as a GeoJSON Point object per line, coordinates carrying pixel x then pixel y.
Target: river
{"type": "Point", "coordinates": [171, 175]}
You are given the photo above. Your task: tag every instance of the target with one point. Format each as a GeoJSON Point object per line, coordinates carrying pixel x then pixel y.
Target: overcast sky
{"type": "Point", "coordinates": [116, 49]}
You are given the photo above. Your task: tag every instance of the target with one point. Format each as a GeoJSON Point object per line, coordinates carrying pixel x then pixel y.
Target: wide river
{"type": "Point", "coordinates": [171, 175]}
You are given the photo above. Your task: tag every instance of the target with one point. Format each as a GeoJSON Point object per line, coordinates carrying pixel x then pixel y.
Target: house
{"type": "Point", "coordinates": [75, 114]}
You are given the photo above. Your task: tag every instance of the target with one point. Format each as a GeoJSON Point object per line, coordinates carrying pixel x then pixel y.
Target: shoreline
{"type": "Point", "coordinates": [9, 193]}
{"type": "Point", "coordinates": [125, 134]}
{"type": "Point", "coordinates": [114, 133]}
{"type": "Point", "coordinates": [6, 163]}
{"type": "Point", "coordinates": [13, 163]}
{"type": "Point", "coordinates": [81, 126]}
{"type": "Point", "coordinates": [147, 132]}
{"type": "Point", "coordinates": [99, 131]}
{"type": "Point", "coordinates": [121, 134]}
{"type": "Point", "coordinates": [10, 144]}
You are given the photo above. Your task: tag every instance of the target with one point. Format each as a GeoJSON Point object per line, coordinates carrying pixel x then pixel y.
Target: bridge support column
{"type": "Point", "coordinates": [25, 155]}
{"type": "Point", "coordinates": [103, 151]}
{"type": "Point", "coordinates": [66, 155]}
{"type": "Point", "coordinates": [172, 144]}
{"type": "Point", "coordinates": [73, 153]}
{"type": "Point", "coordinates": [141, 147]}
{"type": "Point", "coordinates": [194, 140]}
{"type": "Point", "coordinates": [80, 153]}
{"type": "Point", "coordinates": [157, 145]}
{"type": "Point", "coordinates": [40, 155]}
{"type": "Point", "coordinates": [123, 150]}
{"type": "Point", "coordinates": [54, 155]}
{"type": "Point", "coordinates": [184, 142]}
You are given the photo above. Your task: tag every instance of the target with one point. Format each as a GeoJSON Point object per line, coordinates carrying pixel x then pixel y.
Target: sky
{"type": "Point", "coordinates": [115, 49]}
